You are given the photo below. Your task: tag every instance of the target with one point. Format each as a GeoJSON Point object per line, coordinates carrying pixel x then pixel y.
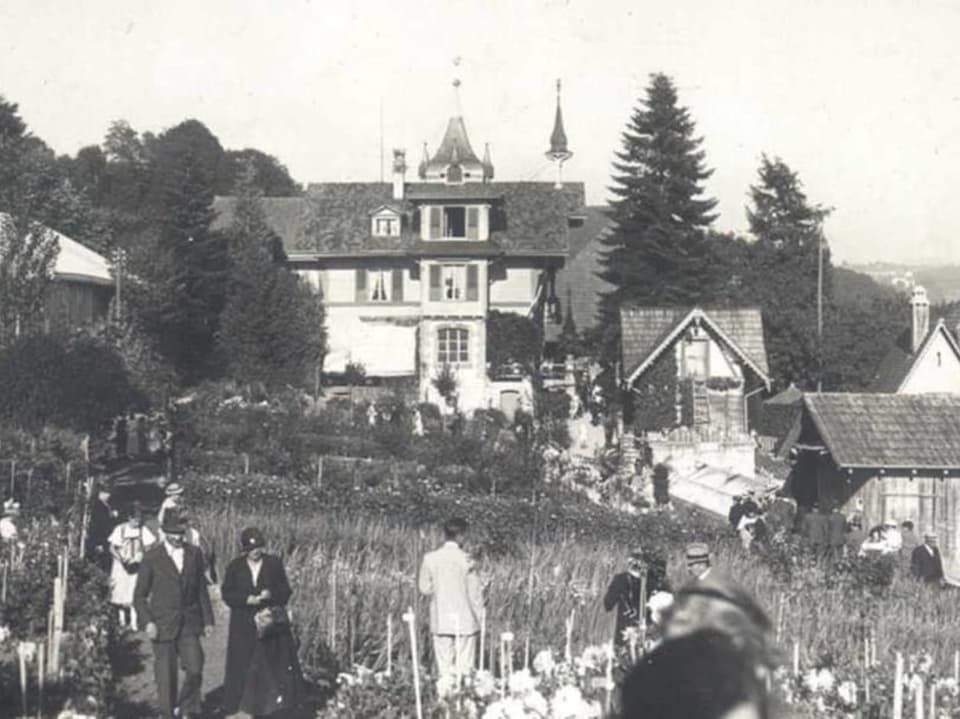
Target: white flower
{"type": "Point", "coordinates": [819, 680]}
{"type": "Point", "coordinates": [534, 702]}
{"type": "Point", "coordinates": [568, 703]}
{"type": "Point", "coordinates": [4, 633]}
{"type": "Point", "coordinates": [344, 679]}
{"type": "Point", "coordinates": [543, 663]}
{"type": "Point", "coordinates": [446, 685]}
{"type": "Point", "coordinates": [522, 683]}
{"type": "Point", "coordinates": [595, 657]}
{"type": "Point", "coordinates": [505, 709]}
{"type": "Point", "coordinates": [847, 691]}
{"type": "Point", "coordinates": [484, 685]}
{"type": "Point", "coordinates": [948, 684]}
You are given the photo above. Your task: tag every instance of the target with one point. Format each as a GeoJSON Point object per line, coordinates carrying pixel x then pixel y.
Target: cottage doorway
{"type": "Point", "coordinates": [509, 403]}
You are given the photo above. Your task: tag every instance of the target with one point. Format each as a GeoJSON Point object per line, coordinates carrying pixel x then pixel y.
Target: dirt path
{"type": "Point", "coordinates": [137, 694]}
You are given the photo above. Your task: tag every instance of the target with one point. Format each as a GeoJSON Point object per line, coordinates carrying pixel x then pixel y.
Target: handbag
{"type": "Point", "coordinates": [270, 620]}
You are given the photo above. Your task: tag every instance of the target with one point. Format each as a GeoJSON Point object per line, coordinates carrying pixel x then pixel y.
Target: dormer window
{"type": "Point", "coordinates": [385, 223]}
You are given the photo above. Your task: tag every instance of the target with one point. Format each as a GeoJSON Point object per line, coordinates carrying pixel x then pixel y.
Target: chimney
{"type": "Point", "coordinates": [921, 317]}
{"type": "Point", "coordinates": [399, 172]}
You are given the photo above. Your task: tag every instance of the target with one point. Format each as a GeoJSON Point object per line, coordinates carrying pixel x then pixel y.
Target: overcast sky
{"type": "Point", "coordinates": [862, 98]}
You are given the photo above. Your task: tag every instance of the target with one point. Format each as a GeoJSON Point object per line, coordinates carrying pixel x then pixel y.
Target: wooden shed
{"type": "Point", "coordinates": [885, 457]}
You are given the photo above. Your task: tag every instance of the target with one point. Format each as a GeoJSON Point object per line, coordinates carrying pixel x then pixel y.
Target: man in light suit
{"type": "Point", "coordinates": [447, 576]}
{"type": "Point", "coordinates": [173, 605]}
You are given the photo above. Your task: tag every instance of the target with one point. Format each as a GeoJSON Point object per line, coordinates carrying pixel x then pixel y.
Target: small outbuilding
{"type": "Point", "coordinates": [884, 457]}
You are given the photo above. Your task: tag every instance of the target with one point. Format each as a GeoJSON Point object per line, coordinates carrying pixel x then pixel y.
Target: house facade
{"type": "Point", "coordinates": [410, 270]}
{"type": "Point", "coordinates": [690, 373]}
{"type": "Point", "coordinates": [885, 457]}
{"type": "Point", "coordinates": [925, 358]}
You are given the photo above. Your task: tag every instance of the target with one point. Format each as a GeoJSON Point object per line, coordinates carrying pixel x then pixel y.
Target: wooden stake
{"type": "Point", "coordinates": [920, 698]}
{"type": "Point", "coordinates": [608, 683]}
{"type": "Point", "coordinates": [411, 620]}
{"type": "Point", "coordinates": [796, 658]}
{"type": "Point", "coordinates": [389, 644]}
{"type": "Point", "coordinates": [779, 616]}
{"type": "Point", "coordinates": [13, 481]}
{"type": "Point", "coordinates": [526, 652]}
{"type": "Point", "coordinates": [898, 688]}
{"type": "Point", "coordinates": [333, 609]}
{"type": "Point", "coordinates": [568, 650]}
{"type": "Point", "coordinates": [319, 471]}
{"type": "Point", "coordinates": [956, 667]}
{"type": "Point", "coordinates": [3, 590]}
{"type": "Point", "coordinates": [483, 634]}
{"type": "Point", "coordinates": [23, 678]}
{"type": "Point", "coordinates": [41, 647]}
{"type": "Point", "coordinates": [933, 700]}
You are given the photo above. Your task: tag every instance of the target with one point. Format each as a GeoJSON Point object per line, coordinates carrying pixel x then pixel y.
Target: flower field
{"type": "Point", "coordinates": [351, 570]}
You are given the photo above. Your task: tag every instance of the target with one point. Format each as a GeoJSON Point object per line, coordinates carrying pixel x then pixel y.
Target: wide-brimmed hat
{"type": "Point", "coordinates": [698, 552]}
{"type": "Point", "coordinates": [173, 523]}
{"type": "Point", "coordinates": [173, 489]}
{"type": "Point", "coordinates": [251, 538]}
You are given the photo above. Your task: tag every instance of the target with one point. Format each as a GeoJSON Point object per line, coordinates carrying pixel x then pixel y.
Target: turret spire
{"type": "Point", "coordinates": [558, 152]}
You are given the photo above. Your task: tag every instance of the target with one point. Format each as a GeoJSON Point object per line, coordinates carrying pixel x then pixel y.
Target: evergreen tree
{"type": "Point", "coordinates": [783, 269]}
{"type": "Point", "coordinates": [657, 251]}
{"type": "Point", "coordinates": [272, 327]}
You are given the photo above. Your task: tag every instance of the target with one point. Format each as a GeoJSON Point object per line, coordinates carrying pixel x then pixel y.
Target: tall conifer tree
{"type": "Point", "coordinates": [657, 252]}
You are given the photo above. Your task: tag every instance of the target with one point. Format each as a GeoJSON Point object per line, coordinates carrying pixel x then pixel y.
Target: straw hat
{"type": "Point", "coordinates": [174, 489]}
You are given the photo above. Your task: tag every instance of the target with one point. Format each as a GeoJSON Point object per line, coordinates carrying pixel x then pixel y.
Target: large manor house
{"type": "Point", "coordinates": [409, 269]}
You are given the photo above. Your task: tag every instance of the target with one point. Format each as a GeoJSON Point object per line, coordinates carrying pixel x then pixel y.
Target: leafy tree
{"type": "Point", "coordinates": [271, 176]}
{"type": "Point", "coordinates": [28, 250]}
{"type": "Point", "coordinates": [656, 253]}
{"type": "Point", "coordinates": [272, 327]}
{"type": "Point", "coordinates": [513, 338]}
{"type": "Point", "coordinates": [783, 268]}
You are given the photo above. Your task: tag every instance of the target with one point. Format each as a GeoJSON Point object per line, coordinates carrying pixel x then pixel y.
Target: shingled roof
{"type": "Point", "coordinates": [648, 331]}
{"type": "Point", "coordinates": [891, 431]}
{"type": "Point", "coordinates": [579, 285]}
{"type": "Point", "coordinates": [333, 219]}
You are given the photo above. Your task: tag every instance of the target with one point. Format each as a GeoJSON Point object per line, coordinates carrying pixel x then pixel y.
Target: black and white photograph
{"type": "Point", "coordinates": [479, 359]}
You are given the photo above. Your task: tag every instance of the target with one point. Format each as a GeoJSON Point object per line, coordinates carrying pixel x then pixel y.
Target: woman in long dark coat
{"type": "Point", "coordinates": [263, 674]}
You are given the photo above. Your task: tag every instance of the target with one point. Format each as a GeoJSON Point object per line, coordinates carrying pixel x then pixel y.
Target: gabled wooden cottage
{"type": "Point", "coordinates": [885, 457]}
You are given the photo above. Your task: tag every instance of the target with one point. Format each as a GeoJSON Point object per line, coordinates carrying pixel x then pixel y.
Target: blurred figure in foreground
{"type": "Point", "coordinates": [702, 675]}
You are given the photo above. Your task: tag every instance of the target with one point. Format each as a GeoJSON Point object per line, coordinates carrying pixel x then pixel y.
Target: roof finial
{"type": "Point", "coordinates": [458, 112]}
{"type": "Point", "coordinates": [558, 152]}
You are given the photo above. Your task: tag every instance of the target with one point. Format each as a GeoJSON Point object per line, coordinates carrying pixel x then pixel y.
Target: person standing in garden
{"type": "Point", "coordinates": [102, 520]}
{"type": "Point", "coordinates": [625, 590]}
{"type": "Point", "coordinates": [926, 563]}
{"type": "Point", "coordinates": [174, 608]}
{"type": "Point", "coordinates": [262, 673]}
{"type": "Point", "coordinates": [173, 499]}
{"type": "Point", "coordinates": [8, 523]}
{"type": "Point", "coordinates": [448, 577]}
{"type": "Point", "coordinates": [128, 543]}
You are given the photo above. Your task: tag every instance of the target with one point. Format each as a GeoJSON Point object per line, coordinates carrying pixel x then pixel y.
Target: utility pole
{"type": "Point", "coordinates": [820, 313]}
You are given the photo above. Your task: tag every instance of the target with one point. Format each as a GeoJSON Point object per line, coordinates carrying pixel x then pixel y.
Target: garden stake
{"type": "Point", "coordinates": [933, 700]}
{"type": "Point", "coordinates": [567, 652]}
{"type": "Point", "coordinates": [920, 696]}
{"type": "Point", "coordinates": [898, 688]}
{"type": "Point", "coordinates": [389, 644]}
{"type": "Point", "coordinates": [526, 653]}
{"type": "Point", "coordinates": [608, 683]}
{"type": "Point", "coordinates": [3, 590]}
{"type": "Point", "coordinates": [41, 646]}
{"type": "Point", "coordinates": [483, 633]}
{"type": "Point", "coordinates": [13, 474]}
{"type": "Point", "coordinates": [779, 616]}
{"type": "Point", "coordinates": [956, 667]}
{"type": "Point", "coordinates": [796, 658]}
{"type": "Point", "coordinates": [411, 621]}
{"type": "Point", "coordinates": [333, 607]}
{"type": "Point", "coordinates": [21, 650]}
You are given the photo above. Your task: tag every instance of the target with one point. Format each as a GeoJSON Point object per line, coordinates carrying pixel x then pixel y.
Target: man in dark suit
{"type": "Point", "coordinates": [102, 521]}
{"type": "Point", "coordinates": [836, 531]}
{"type": "Point", "coordinates": [926, 563]}
{"type": "Point", "coordinates": [173, 605]}
{"type": "Point", "coordinates": [624, 592]}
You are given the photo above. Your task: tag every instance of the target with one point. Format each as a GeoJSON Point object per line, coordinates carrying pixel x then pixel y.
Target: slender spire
{"type": "Point", "coordinates": [558, 152]}
{"type": "Point", "coordinates": [422, 170]}
{"type": "Point", "coordinates": [487, 163]}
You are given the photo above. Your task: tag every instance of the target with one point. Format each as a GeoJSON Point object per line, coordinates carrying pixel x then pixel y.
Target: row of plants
{"type": "Point", "coordinates": [85, 677]}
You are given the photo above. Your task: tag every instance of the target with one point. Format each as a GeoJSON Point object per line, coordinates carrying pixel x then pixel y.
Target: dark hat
{"type": "Point", "coordinates": [251, 538]}
{"type": "Point", "coordinates": [698, 552]}
{"type": "Point", "coordinates": [173, 523]}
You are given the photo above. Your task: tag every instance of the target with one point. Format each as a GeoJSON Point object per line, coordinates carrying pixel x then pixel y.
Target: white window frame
{"type": "Point", "coordinates": [453, 346]}
{"type": "Point", "coordinates": [392, 228]}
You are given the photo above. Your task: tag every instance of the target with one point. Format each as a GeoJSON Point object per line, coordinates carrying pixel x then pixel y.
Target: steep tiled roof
{"type": "Point", "coordinates": [455, 146]}
{"type": "Point", "coordinates": [888, 430]}
{"type": "Point", "coordinates": [530, 218]}
{"type": "Point", "coordinates": [443, 191]}
{"type": "Point", "coordinates": [897, 364]}
{"type": "Point", "coordinates": [646, 331]}
{"type": "Point", "coordinates": [578, 282]}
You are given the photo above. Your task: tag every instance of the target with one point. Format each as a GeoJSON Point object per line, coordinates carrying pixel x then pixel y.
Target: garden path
{"type": "Point", "coordinates": [585, 438]}
{"type": "Point", "coordinates": [137, 691]}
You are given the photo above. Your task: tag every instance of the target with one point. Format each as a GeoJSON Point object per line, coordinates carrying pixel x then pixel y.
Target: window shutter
{"type": "Point", "coordinates": [473, 223]}
{"type": "Point", "coordinates": [435, 283]}
{"type": "Point", "coordinates": [396, 291]}
{"type": "Point", "coordinates": [473, 289]}
{"type": "Point", "coordinates": [361, 285]}
{"type": "Point", "coordinates": [435, 218]}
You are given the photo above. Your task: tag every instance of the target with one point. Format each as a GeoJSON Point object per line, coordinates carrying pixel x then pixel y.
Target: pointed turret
{"type": "Point", "coordinates": [454, 160]}
{"type": "Point", "coordinates": [558, 152]}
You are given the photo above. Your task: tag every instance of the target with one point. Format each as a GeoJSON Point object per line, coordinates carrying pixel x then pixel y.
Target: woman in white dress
{"type": "Point", "coordinates": [128, 541]}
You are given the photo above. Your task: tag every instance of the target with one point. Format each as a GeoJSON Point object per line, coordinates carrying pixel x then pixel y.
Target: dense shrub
{"type": "Point", "coordinates": [78, 383]}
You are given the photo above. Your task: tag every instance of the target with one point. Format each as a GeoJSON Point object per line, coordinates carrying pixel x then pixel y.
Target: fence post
{"type": "Point", "coordinates": [13, 474]}
{"type": "Point", "coordinates": [319, 471]}
{"type": "Point", "coordinates": [246, 463]}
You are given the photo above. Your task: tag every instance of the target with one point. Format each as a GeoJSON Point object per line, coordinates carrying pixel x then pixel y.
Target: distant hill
{"type": "Point", "coordinates": [851, 287]}
{"type": "Point", "coordinates": [942, 282]}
